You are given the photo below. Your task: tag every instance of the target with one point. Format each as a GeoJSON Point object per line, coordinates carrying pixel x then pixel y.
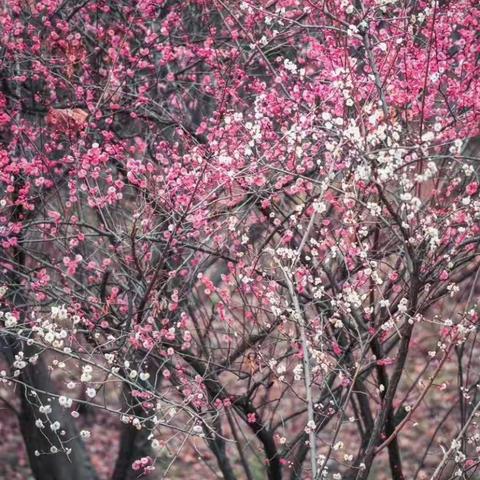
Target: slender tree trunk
{"type": "Point", "coordinates": [134, 443]}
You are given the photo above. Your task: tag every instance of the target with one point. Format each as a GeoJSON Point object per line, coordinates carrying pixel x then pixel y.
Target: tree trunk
{"type": "Point", "coordinates": [47, 466]}
{"type": "Point", "coordinates": [134, 443]}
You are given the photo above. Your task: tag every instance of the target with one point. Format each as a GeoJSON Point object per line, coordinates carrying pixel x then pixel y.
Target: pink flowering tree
{"type": "Point", "coordinates": [240, 240]}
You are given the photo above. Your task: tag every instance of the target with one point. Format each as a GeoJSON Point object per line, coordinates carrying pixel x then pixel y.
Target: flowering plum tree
{"type": "Point", "coordinates": [242, 235]}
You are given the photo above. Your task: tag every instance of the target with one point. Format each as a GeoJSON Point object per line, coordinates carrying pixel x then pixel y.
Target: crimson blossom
{"type": "Point", "coordinates": [239, 239]}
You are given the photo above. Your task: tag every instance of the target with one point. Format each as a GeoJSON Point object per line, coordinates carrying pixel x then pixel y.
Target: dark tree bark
{"type": "Point", "coordinates": [60, 466]}
{"type": "Point", "coordinates": [134, 443]}
{"type": "Point", "coordinates": [36, 390]}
